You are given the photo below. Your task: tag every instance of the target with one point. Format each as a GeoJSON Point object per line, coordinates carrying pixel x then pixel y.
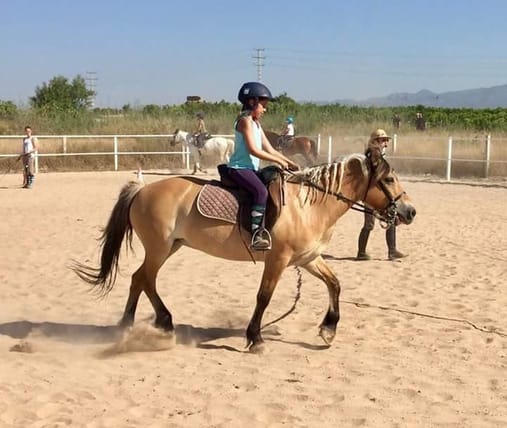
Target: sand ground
{"type": "Point", "coordinates": [422, 342]}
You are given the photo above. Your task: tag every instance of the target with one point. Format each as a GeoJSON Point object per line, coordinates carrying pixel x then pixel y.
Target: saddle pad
{"type": "Point", "coordinates": [216, 202]}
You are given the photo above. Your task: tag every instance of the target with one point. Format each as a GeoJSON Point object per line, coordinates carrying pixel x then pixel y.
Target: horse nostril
{"type": "Point", "coordinates": [412, 213]}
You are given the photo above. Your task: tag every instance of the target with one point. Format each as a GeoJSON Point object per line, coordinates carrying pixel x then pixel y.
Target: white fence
{"type": "Point", "coordinates": [331, 151]}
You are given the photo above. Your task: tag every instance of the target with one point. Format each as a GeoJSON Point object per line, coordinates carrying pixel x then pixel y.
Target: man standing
{"type": "Point", "coordinates": [379, 141]}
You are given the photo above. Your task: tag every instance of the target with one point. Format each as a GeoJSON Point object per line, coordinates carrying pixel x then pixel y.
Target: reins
{"type": "Point", "coordinates": [386, 217]}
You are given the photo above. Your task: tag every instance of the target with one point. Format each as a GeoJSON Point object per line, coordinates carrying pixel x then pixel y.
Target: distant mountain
{"type": "Point", "coordinates": [492, 97]}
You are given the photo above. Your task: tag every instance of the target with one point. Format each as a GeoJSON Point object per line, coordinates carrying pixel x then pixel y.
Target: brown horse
{"type": "Point", "coordinates": [304, 146]}
{"type": "Point", "coordinates": [164, 216]}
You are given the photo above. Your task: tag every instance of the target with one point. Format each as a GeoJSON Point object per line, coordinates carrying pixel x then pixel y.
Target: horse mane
{"type": "Point", "coordinates": [326, 177]}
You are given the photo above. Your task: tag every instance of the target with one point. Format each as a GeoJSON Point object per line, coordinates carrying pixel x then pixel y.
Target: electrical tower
{"type": "Point", "coordinates": [91, 84]}
{"type": "Point", "coordinates": [259, 62]}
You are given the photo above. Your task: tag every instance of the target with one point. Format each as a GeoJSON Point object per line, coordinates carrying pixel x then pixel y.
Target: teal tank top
{"type": "Point", "coordinates": [241, 157]}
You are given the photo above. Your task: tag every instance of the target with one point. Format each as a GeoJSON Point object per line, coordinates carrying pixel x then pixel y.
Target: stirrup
{"type": "Point", "coordinates": [261, 240]}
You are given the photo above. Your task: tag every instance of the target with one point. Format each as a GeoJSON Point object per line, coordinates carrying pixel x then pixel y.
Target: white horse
{"type": "Point", "coordinates": [218, 146]}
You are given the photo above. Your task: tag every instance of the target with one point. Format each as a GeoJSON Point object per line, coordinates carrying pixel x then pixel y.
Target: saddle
{"type": "Point", "coordinates": [200, 139]}
{"type": "Point", "coordinates": [224, 200]}
{"type": "Point", "coordinates": [284, 142]}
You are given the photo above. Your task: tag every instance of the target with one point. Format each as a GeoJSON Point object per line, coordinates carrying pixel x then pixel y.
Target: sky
{"type": "Point", "coordinates": [161, 51]}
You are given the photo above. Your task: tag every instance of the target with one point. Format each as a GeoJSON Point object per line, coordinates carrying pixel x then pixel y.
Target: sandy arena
{"type": "Point", "coordinates": [422, 342]}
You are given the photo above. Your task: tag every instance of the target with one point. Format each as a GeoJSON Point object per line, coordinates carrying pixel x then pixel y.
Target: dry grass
{"type": "Point", "coordinates": [416, 153]}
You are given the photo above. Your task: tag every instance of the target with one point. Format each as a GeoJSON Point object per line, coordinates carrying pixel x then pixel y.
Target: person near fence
{"type": "Point", "coordinates": [396, 121]}
{"type": "Point", "coordinates": [250, 147]}
{"type": "Point", "coordinates": [28, 149]}
{"type": "Point", "coordinates": [420, 122]}
{"type": "Point", "coordinates": [378, 140]}
{"type": "Point", "coordinates": [200, 133]}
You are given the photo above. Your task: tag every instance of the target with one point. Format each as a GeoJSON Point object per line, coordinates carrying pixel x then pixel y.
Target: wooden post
{"type": "Point", "coordinates": [329, 149]}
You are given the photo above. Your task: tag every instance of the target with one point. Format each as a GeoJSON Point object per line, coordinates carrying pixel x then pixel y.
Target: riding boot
{"type": "Point", "coordinates": [393, 253]}
{"type": "Point", "coordinates": [362, 242]}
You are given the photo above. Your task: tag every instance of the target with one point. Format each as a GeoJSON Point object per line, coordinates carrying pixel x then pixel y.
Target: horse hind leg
{"type": "Point", "coordinates": [144, 279]}
{"type": "Point", "coordinates": [136, 287]}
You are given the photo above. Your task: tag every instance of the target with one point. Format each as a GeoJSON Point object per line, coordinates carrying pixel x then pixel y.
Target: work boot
{"type": "Point", "coordinates": [261, 240]}
{"type": "Point", "coordinates": [361, 244]}
{"type": "Point", "coordinates": [393, 253]}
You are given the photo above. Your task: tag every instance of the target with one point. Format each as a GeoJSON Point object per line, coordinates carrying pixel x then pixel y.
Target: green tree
{"type": "Point", "coordinates": [7, 109]}
{"type": "Point", "coordinates": [60, 95]}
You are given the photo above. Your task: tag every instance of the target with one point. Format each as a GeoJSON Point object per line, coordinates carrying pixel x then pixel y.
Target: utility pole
{"type": "Point", "coordinates": [259, 58]}
{"type": "Point", "coordinates": [91, 84]}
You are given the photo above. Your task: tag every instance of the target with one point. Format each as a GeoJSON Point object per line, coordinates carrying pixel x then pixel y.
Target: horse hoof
{"type": "Point", "coordinates": [327, 335]}
{"type": "Point", "coordinates": [259, 349]}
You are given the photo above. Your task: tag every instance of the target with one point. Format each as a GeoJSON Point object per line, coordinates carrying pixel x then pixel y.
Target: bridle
{"type": "Point", "coordinates": [386, 216]}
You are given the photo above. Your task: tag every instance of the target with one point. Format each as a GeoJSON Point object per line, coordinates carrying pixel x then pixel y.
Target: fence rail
{"type": "Point", "coordinates": [331, 150]}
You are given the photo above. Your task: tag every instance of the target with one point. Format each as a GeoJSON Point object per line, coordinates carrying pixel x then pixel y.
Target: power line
{"type": "Point", "coordinates": [259, 58]}
{"type": "Point", "coordinates": [91, 84]}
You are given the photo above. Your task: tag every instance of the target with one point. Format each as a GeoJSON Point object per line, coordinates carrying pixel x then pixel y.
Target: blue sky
{"type": "Point", "coordinates": [160, 51]}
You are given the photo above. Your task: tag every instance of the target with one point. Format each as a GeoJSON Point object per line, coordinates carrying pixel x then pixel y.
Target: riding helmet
{"type": "Point", "coordinates": [290, 119]}
{"type": "Point", "coordinates": [253, 90]}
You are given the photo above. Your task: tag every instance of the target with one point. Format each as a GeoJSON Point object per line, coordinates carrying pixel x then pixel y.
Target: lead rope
{"type": "Point", "coordinates": [299, 283]}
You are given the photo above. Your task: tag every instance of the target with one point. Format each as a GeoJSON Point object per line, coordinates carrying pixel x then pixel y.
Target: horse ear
{"type": "Point", "coordinates": [356, 166]}
{"type": "Point", "coordinates": [375, 155]}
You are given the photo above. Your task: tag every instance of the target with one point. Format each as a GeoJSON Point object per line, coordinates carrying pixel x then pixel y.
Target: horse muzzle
{"type": "Point", "coordinates": [405, 213]}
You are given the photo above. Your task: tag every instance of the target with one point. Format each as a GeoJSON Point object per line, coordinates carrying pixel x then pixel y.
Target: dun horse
{"type": "Point", "coordinates": [165, 217]}
{"type": "Point", "coordinates": [304, 146]}
{"type": "Point", "coordinates": [219, 147]}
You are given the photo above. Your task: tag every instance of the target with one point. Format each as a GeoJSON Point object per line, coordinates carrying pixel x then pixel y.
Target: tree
{"type": "Point", "coordinates": [7, 109]}
{"type": "Point", "coordinates": [60, 95]}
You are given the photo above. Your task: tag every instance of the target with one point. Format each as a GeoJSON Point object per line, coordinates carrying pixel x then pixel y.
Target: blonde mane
{"type": "Point", "coordinates": [327, 178]}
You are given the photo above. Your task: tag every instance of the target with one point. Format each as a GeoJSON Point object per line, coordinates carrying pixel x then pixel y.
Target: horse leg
{"type": "Point", "coordinates": [272, 272]}
{"type": "Point", "coordinates": [136, 287]}
{"type": "Point", "coordinates": [321, 270]}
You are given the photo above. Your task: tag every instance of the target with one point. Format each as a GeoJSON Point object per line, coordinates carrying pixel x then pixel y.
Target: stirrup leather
{"type": "Point", "coordinates": [265, 236]}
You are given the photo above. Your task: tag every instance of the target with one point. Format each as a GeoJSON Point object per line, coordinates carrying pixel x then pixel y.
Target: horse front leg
{"type": "Point", "coordinates": [321, 270]}
{"type": "Point", "coordinates": [270, 277]}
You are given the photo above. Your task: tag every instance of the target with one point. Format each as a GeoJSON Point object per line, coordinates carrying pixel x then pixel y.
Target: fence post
{"type": "Point", "coordinates": [115, 150]}
{"type": "Point", "coordinates": [64, 144]}
{"type": "Point", "coordinates": [487, 155]}
{"type": "Point", "coordinates": [329, 149]}
{"type": "Point", "coordinates": [449, 160]}
{"type": "Point", "coordinates": [36, 161]}
{"type": "Point", "coordinates": [395, 140]}
{"type": "Point", "coordinates": [318, 144]}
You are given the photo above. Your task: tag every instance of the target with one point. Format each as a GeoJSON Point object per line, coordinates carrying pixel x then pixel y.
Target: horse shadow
{"type": "Point", "coordinates": [88, 333]}
{"type": "Point", "coordinates": [331, 257]}
{"type": "Point", "coordinates": [186, 334]}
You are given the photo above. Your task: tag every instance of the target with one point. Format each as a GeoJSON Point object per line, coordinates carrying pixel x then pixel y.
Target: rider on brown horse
{"type": "Point", "coordinates": [287, 136]}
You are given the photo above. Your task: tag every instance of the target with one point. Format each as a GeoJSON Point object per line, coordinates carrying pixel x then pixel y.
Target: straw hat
{"type": "Point", "coordinates": [376, 135]}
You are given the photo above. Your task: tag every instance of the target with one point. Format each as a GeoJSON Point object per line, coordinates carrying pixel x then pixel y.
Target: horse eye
{"type": "Point", "coordinates": [389, 180]}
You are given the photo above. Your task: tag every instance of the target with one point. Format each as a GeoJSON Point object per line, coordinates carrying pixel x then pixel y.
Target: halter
{"type": "Point", "coordinates": [386, 216]}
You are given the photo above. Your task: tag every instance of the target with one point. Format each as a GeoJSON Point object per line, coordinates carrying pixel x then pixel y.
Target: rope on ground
{"type": "Point", "coordinates": [296, 299]}
{"type": "Point", "coordinates": [421, 314]}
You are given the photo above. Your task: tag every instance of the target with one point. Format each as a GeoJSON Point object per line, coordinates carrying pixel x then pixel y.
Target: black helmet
{"type": "Point", "coordinates": [253, 90]}
{"type": "Point", "coordinates": [199, 115]}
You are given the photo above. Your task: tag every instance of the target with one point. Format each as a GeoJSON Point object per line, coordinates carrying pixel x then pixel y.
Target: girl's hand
{"type": "Point", "coordinates": [293, 166]}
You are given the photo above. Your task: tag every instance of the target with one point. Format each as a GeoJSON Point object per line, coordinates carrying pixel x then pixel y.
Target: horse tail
{"type": "Point", "coordinates": [118, 227]}
{"type": "Point", "coordinates": [230, 147]}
